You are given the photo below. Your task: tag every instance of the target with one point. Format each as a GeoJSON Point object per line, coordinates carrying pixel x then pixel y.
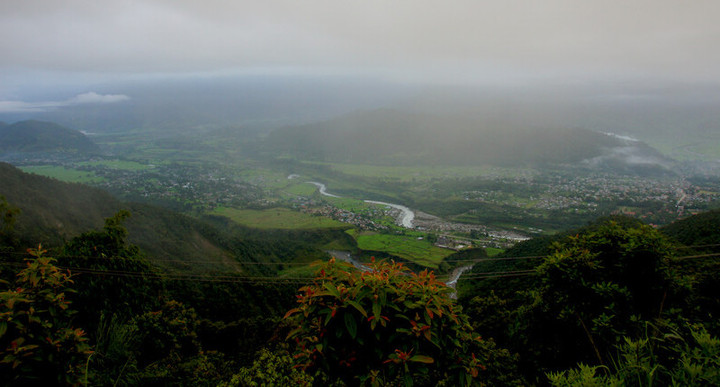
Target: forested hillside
{"type": "Point", "coordinates": [622, 301]}
{"type": "Point", "coordinates": [701, 229]}
{"type": "Point", "coordinates": [52, 212]}
{"type": "Point", "coordinates": [38, 136]}
{"type": "Point", "coordinates": [189, 304]}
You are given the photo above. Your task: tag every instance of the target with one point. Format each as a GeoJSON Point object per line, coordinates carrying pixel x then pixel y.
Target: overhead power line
{"type": "Point", "coordinates": [297, 280]}
{"type": "Point", "coordinates": [57, 255]}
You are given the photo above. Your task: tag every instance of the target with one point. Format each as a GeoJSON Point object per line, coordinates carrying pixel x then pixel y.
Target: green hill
{"type": "Point", "coordinates": [53, 212]}
{"type": "Point", "coordinates": [700, 229]}
{"type": "Point", "coordinates": [44, 137]}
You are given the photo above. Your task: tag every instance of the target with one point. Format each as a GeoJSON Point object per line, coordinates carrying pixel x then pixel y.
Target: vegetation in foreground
{"type": "Point", "coordinates": [614, 303]}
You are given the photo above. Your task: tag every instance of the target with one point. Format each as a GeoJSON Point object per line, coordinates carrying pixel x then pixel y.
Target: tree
{"type": "Point", "coordinates": [131, 285]}
{"type": "Point", "coordinates": [8, 216]}
{"type": "Point", "coordinates": [594, 289]}
{"type": "Point", "coordinates": [431, 237]}
{"type": "Point", "coordinates": [387, 324]}
{"type": "Point", "coordinates": [38, 345]}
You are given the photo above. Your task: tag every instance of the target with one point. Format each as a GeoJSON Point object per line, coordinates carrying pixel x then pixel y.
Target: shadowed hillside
{"type": "Point", "coordinates": [44, 137]}
{"type": "Point", "coordinates": [700, 229]}
{"type": "Point", "coordinates": [53, 212]}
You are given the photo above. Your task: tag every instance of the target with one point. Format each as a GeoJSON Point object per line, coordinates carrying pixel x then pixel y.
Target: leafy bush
{"type": "Point", "coordinates": [692, 359]}
{"type": "Point", "coordinates": [37, 343]}
{"type": "Point", "coordinates": [596, 288]}
{"type": "Point", "coordinates": [384, 325]}
{"type": "Point", "coordinates": [271, 368]}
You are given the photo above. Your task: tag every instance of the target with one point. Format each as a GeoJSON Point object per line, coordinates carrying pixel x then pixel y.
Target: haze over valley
{"type": "Point", "coordinates": [328, 193]}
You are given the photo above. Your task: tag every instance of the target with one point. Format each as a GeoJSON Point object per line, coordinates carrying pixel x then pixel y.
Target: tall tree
{"type": "Point", "coordinates": [594, 289]}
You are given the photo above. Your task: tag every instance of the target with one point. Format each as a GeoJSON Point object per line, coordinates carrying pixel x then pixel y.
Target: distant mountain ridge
{"type": "Point", "coordinates": [33, 136]}
{"type": "Point", "coordinates": [390, 137]}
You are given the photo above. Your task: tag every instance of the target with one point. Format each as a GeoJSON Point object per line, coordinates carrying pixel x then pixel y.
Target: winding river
{"type": "Point", "coordinates": [406, 215]}
{"type": "Point", "coordinates": [347, 257]}
{"type": "Point", "coordinates": [322, 188]}
{"type": "Point", "coordinates": [451, 281]}
{"type": "Point", "coordinates": [405, 220]}
{"type": "Point", "coordinates": [454, 277]}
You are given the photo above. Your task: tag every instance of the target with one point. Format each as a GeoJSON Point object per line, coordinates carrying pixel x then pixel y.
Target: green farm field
{"type": "Point", "coordinates": [302, 189]}
{"type": "Point", "coordinates": [63, 174]}
{"type": "Point", "coordinates": [421, 252]}
{"type": "Point", "coordinates": [119, 164]}
{"type": "Point", "coordinates": [492, 251]}
{"type": "Point", "coordinates": [277, 218]}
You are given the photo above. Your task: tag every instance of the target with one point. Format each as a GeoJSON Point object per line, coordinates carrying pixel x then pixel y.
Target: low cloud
{"type": "Point", "coordinates": [26, 107]}
{"type": "Point", "coordinates": [633, 157]}
{"type": "Point", "coordinates": [89, 98]}
{"type": "Point", "coordinates": [93, 97]}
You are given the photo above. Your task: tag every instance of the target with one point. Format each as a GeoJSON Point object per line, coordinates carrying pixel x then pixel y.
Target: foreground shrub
{"type": "Point", "coordinates": [38, 345]}
{"type": "Point", "coordinates": [688, 359]}
{"type": "Point", "coordinates": [386, 325]}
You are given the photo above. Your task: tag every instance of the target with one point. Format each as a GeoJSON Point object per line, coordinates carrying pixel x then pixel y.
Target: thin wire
{"type": "Point", "coordinates": [309, 263]}
{"type": "Point", "coordinates": [696, 246]}
{"type": "Point", "coordinates": [162, 260]}
{"type": "Point", "coordinates": [275, 280]}
{"type": "Point", "coordinates": [697, 256]}
{"type": "Point", "coordinates": [473, 275]}
{"type": "Point", "coordinates": [503, 275]}
{"type": "Point", "coordinates": [498, 259]}
{"type": "Point", "coordinates": [236, 279]}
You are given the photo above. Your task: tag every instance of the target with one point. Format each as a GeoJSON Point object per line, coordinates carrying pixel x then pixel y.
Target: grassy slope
{"type": "Point", "coordinates": [420, 252]}
{"type": "Point", "coordinates": [277, 218]}
{"type": "Point", "coordinates": [63, 174]}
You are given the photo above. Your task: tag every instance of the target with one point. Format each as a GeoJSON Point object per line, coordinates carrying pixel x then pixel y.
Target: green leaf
{"type": "Point", "coordinates": [422, 359]}
{"type": "Point", "coordinates": [435, 341]}
{"type": "Point", "coordinates": [383, 298]}
{"type": "Point", "coordinates": [376, 310]}
{"type": "Point", "coordinates": [291, 312]}
{"type": "Point", "coordinates": [327, 318]}
{"type": "Point", "coordinates": [408, 378]}
{"type": "Point", "coordinates": [351, 325]}
{"type": "Point", "coordinates": [332, 289]}
{"type": "Point", "coordinates": [294, 332]}
{"type": "Point", "coordinates": [358, 307]}
{"type": "Point", "coordinates": [3, 328]}
{"type": "Point", "coordinates": [411, 305]}
{"type": "Point", "coordinates": [363, 294]}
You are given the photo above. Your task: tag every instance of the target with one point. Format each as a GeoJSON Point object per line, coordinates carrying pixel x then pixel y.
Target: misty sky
{"type": "Point", "coordinates": [46, 43]}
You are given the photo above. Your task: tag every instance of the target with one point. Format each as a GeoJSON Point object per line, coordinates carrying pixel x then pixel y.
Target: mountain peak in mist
{"type": "Point", "coordinates": [393, 137]}
{"type": "Point", "coordinates": [33, 136]}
